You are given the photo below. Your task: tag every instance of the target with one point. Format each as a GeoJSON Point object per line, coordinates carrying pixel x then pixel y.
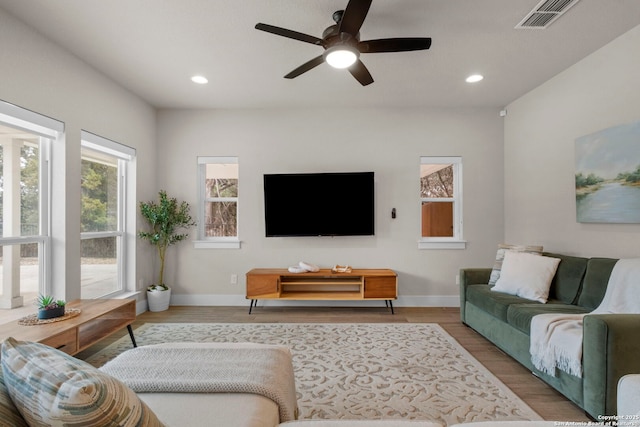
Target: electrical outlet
{"type": "Point", "coordinates": [458, 279]}
{"type": "Point", "coordinates": [234, 279]}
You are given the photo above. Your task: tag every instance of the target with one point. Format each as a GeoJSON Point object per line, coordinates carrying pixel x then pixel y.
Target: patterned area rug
{"type": "Point", "coordinates": [364, 371]}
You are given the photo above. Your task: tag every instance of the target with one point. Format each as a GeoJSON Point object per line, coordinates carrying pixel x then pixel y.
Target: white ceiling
{"type": "Point", "coordinates": [153, 47]}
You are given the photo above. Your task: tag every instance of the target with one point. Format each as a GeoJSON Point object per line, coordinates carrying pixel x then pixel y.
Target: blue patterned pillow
{"type": "Point", "coordinates": [9, 414]}
{"type": "Point", "coordinates": [51, 388]}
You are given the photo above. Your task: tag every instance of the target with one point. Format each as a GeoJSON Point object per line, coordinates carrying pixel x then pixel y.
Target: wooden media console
{"type": "Point", "coordinates": [361, 284]}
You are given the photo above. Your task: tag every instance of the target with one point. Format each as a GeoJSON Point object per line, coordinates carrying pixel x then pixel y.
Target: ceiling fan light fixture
{"type": "Point", "coordinates": [342, 42]}
{"type": "Point", "coordinates": [341, 56]}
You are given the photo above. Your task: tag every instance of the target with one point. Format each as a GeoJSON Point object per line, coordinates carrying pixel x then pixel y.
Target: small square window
{"type": "Point", "coordinates": [218, 202]}
{"type": "Point", "coordinates": [441, 203]}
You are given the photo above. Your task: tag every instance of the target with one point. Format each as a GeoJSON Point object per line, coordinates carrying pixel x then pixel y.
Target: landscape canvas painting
{"type": "Point", "coordinates": [608, 175]}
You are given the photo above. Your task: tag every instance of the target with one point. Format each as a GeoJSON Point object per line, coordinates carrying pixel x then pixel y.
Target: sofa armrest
{"type": "Point", "coordinates": [471, 276]}
{"type": "Point", "coordinates": [610, 351]}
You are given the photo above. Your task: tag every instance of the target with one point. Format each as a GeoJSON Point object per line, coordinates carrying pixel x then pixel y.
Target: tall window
{"type": "Point", "coordinates": [103, 219]}
{"type": "Point", "coordinates": [25, 139]}
{"type": "Point", "coordinates": [218, 202]}
{"type": "Point", "coordinates": [441, 203]}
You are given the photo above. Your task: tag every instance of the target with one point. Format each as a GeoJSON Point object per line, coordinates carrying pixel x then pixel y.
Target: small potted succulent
{"type": "Point", "coordinates": [49, 307]}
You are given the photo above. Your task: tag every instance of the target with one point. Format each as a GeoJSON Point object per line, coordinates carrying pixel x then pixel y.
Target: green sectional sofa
{"type": "Point", "coordinates": [611, 342]}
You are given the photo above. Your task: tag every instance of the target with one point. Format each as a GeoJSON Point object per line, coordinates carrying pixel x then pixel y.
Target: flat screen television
{"type": "Point", "coordinates": [319, 204]}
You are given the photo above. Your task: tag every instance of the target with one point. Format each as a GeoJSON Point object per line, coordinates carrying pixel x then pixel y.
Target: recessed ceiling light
{"type": "Point", "coordinates": [201, 80]}
{"type": "Point", "coordinates": [474, 78]}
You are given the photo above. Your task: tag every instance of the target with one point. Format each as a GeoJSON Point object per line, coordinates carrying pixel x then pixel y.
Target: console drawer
{"type": "Point", "coordinates": [380, 287]}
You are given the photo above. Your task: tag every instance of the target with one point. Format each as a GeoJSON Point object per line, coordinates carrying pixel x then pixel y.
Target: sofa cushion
{"type": "Point", "coordinates": [9, 414]}
{"type": "Point", "coordinates": [527, 275]}
{"type": "Point", "coordinates": [595, 282]}
{"type": "Point", "coordinates": [502, 248]}
{"type": "Point", "coordinates": [519, 315]}
{"type": "Point", "coordinates": [213, 409]}
{"type": "Point", "coordinates": [514, 424]}
{"type": "Point", "coordinates": [360, 423]}
{"type": "Point", "coordinates": [51, 388]}
{"type": "Point", "coordinates": [629, 398]}
{"type": "Point", "coordinates": [493, 303]}
{"type": "Point", "coordinates": [566, 283]}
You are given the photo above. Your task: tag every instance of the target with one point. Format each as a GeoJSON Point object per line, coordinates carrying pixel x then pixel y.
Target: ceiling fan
{"type": "Point", "coordinates": [342, 42]}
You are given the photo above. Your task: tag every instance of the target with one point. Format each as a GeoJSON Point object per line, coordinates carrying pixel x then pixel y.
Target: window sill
{"type": "Point", "coordinates": [442, 244]}
{"type": "Point", "coordinates": [122, 295]}
{"type": "Point", "coordinates": [217, 244]}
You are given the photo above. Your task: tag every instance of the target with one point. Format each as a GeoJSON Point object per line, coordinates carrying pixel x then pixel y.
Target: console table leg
{"type": "Point", "coordinates": [253, 303]}
{"type": "Point", "coordinates": [133, 339]}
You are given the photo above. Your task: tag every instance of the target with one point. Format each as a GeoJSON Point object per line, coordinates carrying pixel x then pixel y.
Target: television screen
{"type": "Point", "coordinates": [319, 204]}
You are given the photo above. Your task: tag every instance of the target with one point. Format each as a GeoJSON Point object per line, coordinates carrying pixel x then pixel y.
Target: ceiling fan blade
{"type": "Point", "coordinates": [305, 67]}
{"type": "Point", "coordinates": [354, 15]}
{"type": "Point", "coordinates": [289, 34]}
{"type": "Point", "coordinates": [404, 44]}
{"type": "Point", "coordinates": [360, 72]}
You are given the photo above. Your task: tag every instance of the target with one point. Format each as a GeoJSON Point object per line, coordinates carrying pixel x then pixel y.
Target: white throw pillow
{"type": "Point", "coordinates": [502, 249]}
{"type": "Point", "coordinates": [527, 275]}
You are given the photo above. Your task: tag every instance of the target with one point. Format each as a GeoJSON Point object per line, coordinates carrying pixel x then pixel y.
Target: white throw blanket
{"type": "Point", "coordinates": [556, 339]}
{"type": "Point", "coordinates": [266, 370]}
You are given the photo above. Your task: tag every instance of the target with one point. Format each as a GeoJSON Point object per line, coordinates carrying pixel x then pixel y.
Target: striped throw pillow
{"type": "Point", "coordinates": [51, 388]}
{"type": "Point", "coordinates": [9, 414]}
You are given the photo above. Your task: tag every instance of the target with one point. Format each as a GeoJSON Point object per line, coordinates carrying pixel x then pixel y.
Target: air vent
{"type": "Point", "coordinates": [545, 13]}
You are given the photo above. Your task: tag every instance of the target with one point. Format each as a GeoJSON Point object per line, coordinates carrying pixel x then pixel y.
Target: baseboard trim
{"type": "Point", "coordinates": [240, 300]}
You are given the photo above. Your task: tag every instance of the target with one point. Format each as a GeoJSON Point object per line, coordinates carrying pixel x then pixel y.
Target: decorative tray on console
{"type": "Point", "coordinates": [32, 319]}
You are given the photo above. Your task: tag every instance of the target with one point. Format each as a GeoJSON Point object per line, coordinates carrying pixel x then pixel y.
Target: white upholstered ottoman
{"type": "Point", "coordinates": [211, 384]}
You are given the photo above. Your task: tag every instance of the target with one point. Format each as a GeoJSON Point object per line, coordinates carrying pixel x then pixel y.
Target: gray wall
{"type": "Point", "coordinates": [541, 127]}
{"type": "Point", "coordinates": [502, 200]}
{"type": "Point", "coordinates": [386, 141]}
{"type": "Point", "coordinates": [38, 75]}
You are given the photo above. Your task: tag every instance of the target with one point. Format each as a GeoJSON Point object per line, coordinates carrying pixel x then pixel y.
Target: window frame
{"type": "Point", "coordinates": [126, 215]}
{"type": "Point", "coordinates": [456, 241]}
{"type": "Point", "coordinates": [215, 242]}
{"type": "Point", "coordinates": [49, 132]}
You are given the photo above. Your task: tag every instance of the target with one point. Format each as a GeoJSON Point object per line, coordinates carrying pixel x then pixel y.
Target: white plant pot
{"type": "Point", "coordinates": [158, 300]}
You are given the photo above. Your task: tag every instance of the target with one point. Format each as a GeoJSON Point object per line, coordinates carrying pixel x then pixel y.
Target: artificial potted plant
{"type": "Point", "coordinates": [49, 307]}
{"type": "Point", "coordinates": [166, 218]}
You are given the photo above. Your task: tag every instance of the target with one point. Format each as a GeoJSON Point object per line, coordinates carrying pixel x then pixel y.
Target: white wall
{"type": "Point", "coordinates": [388, 142]}
{"type": "Point", "coordinates": [600, 91]}
{"type": "Point", "coordinates": [521, 193]}
{"type": "Point", "coordinates": [38, 75]}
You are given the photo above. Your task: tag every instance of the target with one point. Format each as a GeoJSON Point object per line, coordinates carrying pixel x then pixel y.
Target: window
{"type": "Point", "coordinates": [218, 202]}
{"type": "Point", "coordinates": [25, 139]}
{"type": "Point", "coordinates": [441, 203]}
{"type": "Point", "coordinates": [104, 220]}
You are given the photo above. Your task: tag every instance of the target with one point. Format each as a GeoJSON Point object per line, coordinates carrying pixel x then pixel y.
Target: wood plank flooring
{"type": "Point", "coordinates": [547, 402]}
